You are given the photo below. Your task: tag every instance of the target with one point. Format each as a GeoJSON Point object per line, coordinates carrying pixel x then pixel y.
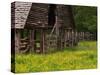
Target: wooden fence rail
{"type": "Point", "coordinates": [86, 36]}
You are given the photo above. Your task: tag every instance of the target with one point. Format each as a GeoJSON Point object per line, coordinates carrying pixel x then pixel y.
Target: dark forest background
{"type": "Point", "coordinates": [85, 18]}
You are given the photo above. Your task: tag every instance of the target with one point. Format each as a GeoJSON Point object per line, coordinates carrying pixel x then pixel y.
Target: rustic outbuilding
{"type": "Point", "coordinates": [38, 27]}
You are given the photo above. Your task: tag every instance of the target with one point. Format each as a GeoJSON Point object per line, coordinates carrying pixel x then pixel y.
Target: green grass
{"type": "Point", "coordinates": [84, 56]}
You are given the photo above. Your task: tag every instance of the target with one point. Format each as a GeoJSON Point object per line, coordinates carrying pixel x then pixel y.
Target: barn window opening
{"type": "Point", "coordinates": [51, 15]}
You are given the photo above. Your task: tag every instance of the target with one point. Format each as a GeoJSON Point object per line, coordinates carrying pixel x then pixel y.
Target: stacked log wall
{"type": "Point", "coordinates": [19, 13]}
{"type": "Point", "coordinates": [38, 16]}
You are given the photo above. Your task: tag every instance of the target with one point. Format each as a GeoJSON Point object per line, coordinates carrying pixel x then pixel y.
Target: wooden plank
{"type": "Point", "coordinates": [41, 41]}
{"type": "Point", "coordinates": [32, 37]}
{"type": "Point", "coordinates": [17, 41]}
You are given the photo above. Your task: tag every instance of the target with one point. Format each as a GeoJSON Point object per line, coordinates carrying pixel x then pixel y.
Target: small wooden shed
{"type": "Point", "coordinates": [38, 27]}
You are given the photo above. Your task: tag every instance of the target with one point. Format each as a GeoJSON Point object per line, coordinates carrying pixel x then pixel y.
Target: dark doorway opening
{"type": "Point", "coordinates": [51, 15]}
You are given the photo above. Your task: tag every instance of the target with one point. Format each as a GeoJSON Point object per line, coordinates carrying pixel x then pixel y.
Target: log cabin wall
{"type": "Point", "coordinates": [19, 13]}
{"type": "Point", "coordinates": [38, 16]}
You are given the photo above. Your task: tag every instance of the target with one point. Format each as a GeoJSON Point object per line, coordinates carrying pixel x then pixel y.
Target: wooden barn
{"type": "Point", "coordinates": [38, 27]}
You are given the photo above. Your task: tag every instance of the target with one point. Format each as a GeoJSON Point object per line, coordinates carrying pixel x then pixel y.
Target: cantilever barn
{"type": "Point", "coordinates": [38, 27]}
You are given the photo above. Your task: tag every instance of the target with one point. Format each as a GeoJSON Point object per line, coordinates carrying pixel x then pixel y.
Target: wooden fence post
{"type": "Point", "coordinates": [32, 40]}
{"type": "Point", "coordinates": [42, 48]}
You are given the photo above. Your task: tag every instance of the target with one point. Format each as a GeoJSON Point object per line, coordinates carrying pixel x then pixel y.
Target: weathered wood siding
{"type": "Point", "coordinates": [35, 17]}
{"type": "Point", "coordinates": [19, 13]}
{"type": "Point", "coordinates": [65, 16]}
{"type": "Point", "coordinates": [29, 15]}
{"type": "Point", "coordinates": [38, 16]}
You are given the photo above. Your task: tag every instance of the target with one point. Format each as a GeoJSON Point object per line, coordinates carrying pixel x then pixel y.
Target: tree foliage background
{"type": "Point", "coordinates": [85, 18]}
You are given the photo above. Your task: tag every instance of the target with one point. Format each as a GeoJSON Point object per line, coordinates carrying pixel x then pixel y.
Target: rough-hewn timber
{"type": "Point", "coordinates": [38, 20]}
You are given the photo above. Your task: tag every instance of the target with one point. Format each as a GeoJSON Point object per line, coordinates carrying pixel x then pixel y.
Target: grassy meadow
{"type": "Point", "coordinates": [84, 56]}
